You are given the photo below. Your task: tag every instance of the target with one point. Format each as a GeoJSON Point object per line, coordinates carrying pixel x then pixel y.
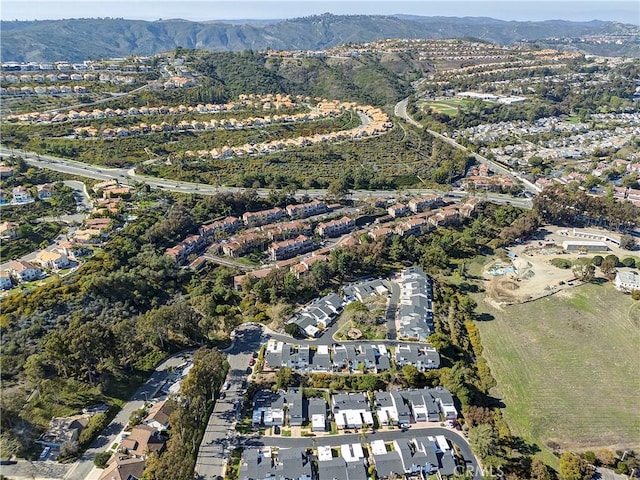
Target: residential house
{"type": "Point", "coordinates": [121, 467]}
{"type": "Point", "coordinates": [412, 226]}
{"type": "Point", "coordinates": [335, 228]}
{"type": "Point", "coordinates": [25, 271]}
{"type": "Point", "coordinates": [380, 232]}
{"type": "Point", "coordinates": [627, 280]}
{"type": "Point", "coordinates": [447, 216]}
{"type": "Point", "coordinates": [45, 191]}
{"type": "Point", "coordinates": [304, 266]}
{"type": "Point", "coordinates": [268, 408]}
{"type": "Point", "coordinates": [241, 244]}
{"type": "Point", "coordinates": [191, 244]}
{"type": "Point", "coordinates": [339, 469]}
{"type": "Point", "coordinates": [292, 464]}
{"type": "Point", "coordinates": [352, 452]}
{"type": "Point", "coordinates": [254, 219]}
{"type": "Point", "coordinates": [415, 310]}
{"type": "Point", "coordinates": [63, 429]}
{"type": "Point", "coordinates": [256, 464]}
{"type": "Point", "coordinates": [317, 413]}
{"type": "Point", "coordinates": [414, 461]}
{"type": "Point", "coordinates": [423, 357]}
{"type": "Point", "coordinates": [9, 230]}
{"type": "Point", "coordinates": [283, 231]}
{"type": "Point", "coordinates": [427, 447]}
{"type": "Point", "coordinates": [290, 248]}
{"type": "Point", "coordinates": [52, 260]}
{"type": "Point", "coordinates": [391, 408]}
{"type": "Point", "coordinates": [417, 205]}
{"type": "Point", "coordinates": [21, 195]}
{"type": "Point", "coordinates": [141, 441]}
{"type": "Point", "coordinates": [304, 210]}
{"type": "Point", "coordinates": [388, 463]}
{"type": "Point", "coordinates": [215, 229]}
{"type": "Point", "coordinates": [363, 290]}
{"type": "Point", "coordinates": [423, 405]}
{"type": "Point", "coordinates": [5, 280]}
{"type": "Point", "coordinates": [398, 210]}
{"type": "Point", "coordinates": [351, 410]}
{"type": "Point", "coordinates": [158, 415]}
{"type": "Point", "coordinates": [319, 315]}
{"type": "Point", "coordinates": [320, 361]}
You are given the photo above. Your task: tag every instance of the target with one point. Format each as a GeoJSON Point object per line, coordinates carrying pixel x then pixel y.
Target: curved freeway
{"type": "Point", "coordinates": [129, 177]}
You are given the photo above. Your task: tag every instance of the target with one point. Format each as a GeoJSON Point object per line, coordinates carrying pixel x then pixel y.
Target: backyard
{"type": "Point", "coordinates": [567, 367]}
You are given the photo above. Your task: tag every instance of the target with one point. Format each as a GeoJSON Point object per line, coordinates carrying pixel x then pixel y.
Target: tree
{"type": "Point", "coordinates": [597, 260]}
{"type": "Point", "coordinates": [412, 376]}
{"type": "Point", "coordinates": [629, 262]}
{"type": "Point", "coordinates": [572, 467]}
{"type": "Point", "coordinates": [539, 471]}
{"type": "Point", "coordinates": [609, 264]}
{"type": "Point", "coordinates": [101, 459]}
{"type": "Point", "coordinates": [584, 270]}
{"type": "Point", "coordinates": [284, 378]}
{"type": "Point", "coordinates": [293, 329]}
{"type": "Point", "coordinates": [628, 242]}
{"type": "Point", "coordinates": [484, 440]}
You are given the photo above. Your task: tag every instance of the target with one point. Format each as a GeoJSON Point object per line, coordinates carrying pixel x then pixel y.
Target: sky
{"type": "Point", "coordinates": [201, 10]}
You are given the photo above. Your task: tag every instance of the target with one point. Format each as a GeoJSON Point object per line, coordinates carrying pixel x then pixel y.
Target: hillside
{"type": "Point", "coordinates": [79, 39]}
{"type": "Point", "coordinates": [376, 79]}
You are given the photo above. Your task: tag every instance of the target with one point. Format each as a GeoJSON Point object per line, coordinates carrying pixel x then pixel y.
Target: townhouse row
{"type": "Point", "coordinates": [348, 358]}
{"type": "Point", "coordinates": [352, 410]}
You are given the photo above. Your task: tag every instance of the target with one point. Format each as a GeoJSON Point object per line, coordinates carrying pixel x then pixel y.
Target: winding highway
{"type": "Point", "coordinates": [130, 177]}
{"type": "Point", "coordinates": [400, 110]}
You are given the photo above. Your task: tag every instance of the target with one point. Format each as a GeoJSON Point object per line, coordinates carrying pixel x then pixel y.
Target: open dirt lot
{"type": "Point", "coordinates": [534, 275]}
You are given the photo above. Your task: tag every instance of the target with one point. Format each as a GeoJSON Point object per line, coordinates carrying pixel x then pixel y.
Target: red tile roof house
{"type": "Point", "coordinates": [307, 209]}
{"type": "Point", "coordinates": [335, 227]}
{"type": "Point", "coordinates": [418, 205]}
{"type": "Point", "coordinates": [263, 217]}
{"type": "Point", "coordinates": [398, 210]}
{"type": "Point", "coordinates": [290, 248]}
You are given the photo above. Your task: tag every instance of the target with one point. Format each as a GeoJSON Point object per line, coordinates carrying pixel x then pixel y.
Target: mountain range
{"type": "Point", "coordinates": [79, 39]}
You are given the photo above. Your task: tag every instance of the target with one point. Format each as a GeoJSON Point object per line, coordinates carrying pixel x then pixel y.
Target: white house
{"type": "Point", "coordinates": [627, 281]}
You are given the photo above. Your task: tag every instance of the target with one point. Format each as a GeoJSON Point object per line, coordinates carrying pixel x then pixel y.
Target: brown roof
{"type": "Point", "coordinates": [123, 468]}
{"type": "Point", "coordinates": [141, 441]}
{"type": "Point", "coordinates": [160, 413]}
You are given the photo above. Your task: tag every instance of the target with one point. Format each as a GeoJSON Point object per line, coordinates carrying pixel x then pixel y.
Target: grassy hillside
{"type": "Point", "coordinates": [567, 367]}
{"type": "Point", "coordinates": [372, 79]}
{"type": "Point", "coordinates": [79, 39]}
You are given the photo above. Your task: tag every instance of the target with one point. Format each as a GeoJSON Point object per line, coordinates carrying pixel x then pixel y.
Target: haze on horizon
{"type": "Point", "coordinates": [200, 10]}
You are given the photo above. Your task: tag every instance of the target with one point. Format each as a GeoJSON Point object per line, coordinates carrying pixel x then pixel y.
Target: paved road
{"type": "Point", "coordinates": [220, 433]}
{"type": "Point", "coordinates": [84, 465]}
{"type": "Point", "coordinates": [390, 314]}
{"type": "Point", "coordinates": [129, 177]}
{"type": "Point", "coordinates": [400, 110]}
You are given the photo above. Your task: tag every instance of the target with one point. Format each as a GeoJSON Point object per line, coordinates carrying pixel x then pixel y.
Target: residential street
{"type": "Point", "coordinates": [220, 432]}
{"type": "Point", "coordinates": [84, 466]}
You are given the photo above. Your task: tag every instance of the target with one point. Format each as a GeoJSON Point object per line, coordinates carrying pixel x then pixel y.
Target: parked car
{"type": "Point", "coordinates": [226, 386]}
{"type": "Point", "coordinates": [222, 396]}
{"type": "Point", "coordinates": [254, 355]}
{"type": "Point", "coordinates": [276, 430]}
{"type": "Point", "coordinates": [45, 453]}
{"type": "Point", "coordinates": [249, 370]}
{"type": "Point", "coordinates": [252, 362]}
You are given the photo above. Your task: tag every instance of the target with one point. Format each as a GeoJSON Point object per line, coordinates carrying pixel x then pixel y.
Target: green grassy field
{"type": "Point", "coordinates": [567, 367]}
{"type": "Point", "coordinates": [448, 107]}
